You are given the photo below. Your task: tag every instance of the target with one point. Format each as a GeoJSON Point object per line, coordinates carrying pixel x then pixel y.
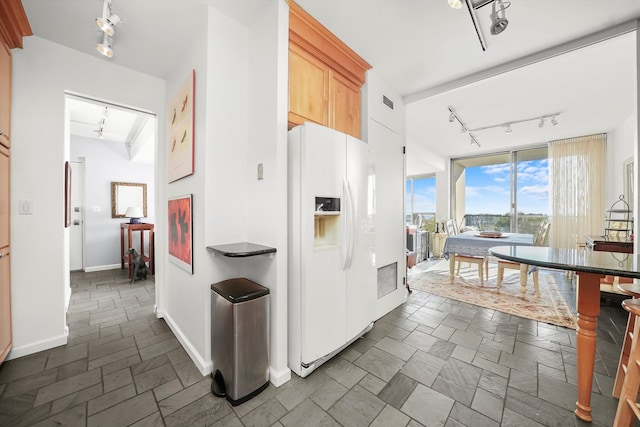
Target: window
{"type": "Point", "coordinates": [505, 192]}
{"type": "Point", "coordinates": [421, 201]}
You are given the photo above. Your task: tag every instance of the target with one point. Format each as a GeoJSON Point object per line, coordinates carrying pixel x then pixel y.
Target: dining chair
{"type": "Point", "coordinates": [632, 290]}
{"type": "Point", "coordinates": [481, 262]}
{"type": "Point", "coordinates": [539, 239]}
{"type": "Point", "coordinates": [627, 401]}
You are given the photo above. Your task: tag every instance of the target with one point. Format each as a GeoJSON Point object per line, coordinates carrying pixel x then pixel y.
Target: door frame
{"type": "Point", "coordinates": [79, 185]}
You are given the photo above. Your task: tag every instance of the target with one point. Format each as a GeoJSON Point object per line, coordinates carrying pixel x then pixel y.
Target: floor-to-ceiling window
{"type": "Point", "coordinates": [504, 191]}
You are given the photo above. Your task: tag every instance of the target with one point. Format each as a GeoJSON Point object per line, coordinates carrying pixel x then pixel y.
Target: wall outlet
{"type": "Point", "coordinates": [260, 172]}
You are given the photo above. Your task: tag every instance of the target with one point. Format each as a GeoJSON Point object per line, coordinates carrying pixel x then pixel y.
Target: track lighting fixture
{"type": "Point", "coordinates": [508, 126]}
{"type": "Point", "coordinates": [107, 23]}
{"type": "Point", "coordinates": [453, 116]}
{"type": "Point", "coordinates": [456, 4]}
{"type": "Point", "coordinates": [498, 20]}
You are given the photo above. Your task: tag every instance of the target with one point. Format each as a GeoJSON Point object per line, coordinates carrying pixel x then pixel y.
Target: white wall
{"type": "Point", "coordinates": [106, 162]}
{"type": "Point", "coordinates": [241, 104]}
{"type": "Point", "coordinates": [266, 200]}
{"type": "Point", "coordinates": [42, 72]}
{"type": "Point", "coordinates": [620, 145]}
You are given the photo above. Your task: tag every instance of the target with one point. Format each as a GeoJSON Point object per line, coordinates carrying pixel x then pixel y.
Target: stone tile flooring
{"type": "Point", "coordinates": [431, 362]}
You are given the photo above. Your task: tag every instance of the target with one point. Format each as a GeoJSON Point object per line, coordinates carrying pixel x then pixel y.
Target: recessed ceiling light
{"type": "Point", "coordinates": [456, 4]}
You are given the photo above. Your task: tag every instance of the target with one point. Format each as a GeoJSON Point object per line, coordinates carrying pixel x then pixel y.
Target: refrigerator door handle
{"type": "Point", "coordinates": [347, 225]}
{"type": "Point", "coordinates": [352, 224]}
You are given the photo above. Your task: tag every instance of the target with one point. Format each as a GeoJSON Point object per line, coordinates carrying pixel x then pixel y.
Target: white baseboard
{"type": "Point", "coordinates": [101, 268]}
{"type": "Point", "coordinates": [279, 378]}
{"type": "Point", "coordinates": [204, 367]}
{"type": "Point", "coordinates": [32, 348]}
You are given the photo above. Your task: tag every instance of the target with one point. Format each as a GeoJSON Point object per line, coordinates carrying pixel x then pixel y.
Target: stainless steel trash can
{"type": "Point", "coordinates": [239, 339]}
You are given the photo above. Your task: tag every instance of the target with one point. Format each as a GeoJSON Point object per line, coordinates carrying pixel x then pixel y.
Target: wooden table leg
{"type": "Point", "coordinates": [588, 307]}
{"type": "Point", "coordinates": [524, 269]}
{"type": "Point", "coordinates": [452, 267]}
{"type": "Point", "coordinates": [121, 248]}
{"type": "Point", "coordinates": [130, 257]}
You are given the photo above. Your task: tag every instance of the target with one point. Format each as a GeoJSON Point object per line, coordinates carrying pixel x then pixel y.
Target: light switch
{"type": "Point", "coordinates": [260, 171]}
{"type": "Point", "coordinates": [25, 207]}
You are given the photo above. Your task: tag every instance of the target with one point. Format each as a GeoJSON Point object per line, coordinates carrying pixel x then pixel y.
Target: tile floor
{"type": "Point", "coordinates": [431, 362]}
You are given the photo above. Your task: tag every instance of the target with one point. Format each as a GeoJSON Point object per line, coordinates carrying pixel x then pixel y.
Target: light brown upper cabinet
{"type": "Point", "coordinates": [325, 76]}
{"type": "Point", "coordinates": [5, 95]}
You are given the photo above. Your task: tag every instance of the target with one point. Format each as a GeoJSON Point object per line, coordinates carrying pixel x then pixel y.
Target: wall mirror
{"type": "Point", "coordinates": [125, 194]}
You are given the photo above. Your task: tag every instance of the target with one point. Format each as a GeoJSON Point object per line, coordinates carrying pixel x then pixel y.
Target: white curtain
{"type": "Point", "coordinates": [576, 189]}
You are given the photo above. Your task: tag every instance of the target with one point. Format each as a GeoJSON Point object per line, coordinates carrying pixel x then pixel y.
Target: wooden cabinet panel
{"type": "Point", "coordinates": [5, 95]}
{"type": "Point", "coordinates": [5, 270]}
{"type": "Point", "coordinates": [344, 109]}
{"type": "Point", "coordinates": [308, 88]}
{"type": "Point", "coordinates": [5, 304]}
{"type": "Point", "coordinates": [4, 196]}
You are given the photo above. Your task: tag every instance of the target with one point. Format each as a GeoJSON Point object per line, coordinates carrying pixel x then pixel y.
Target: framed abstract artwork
{"type": "Point", "coordinates": [181, 231]}
{"type": "Point", "coordinates": [180, 131]}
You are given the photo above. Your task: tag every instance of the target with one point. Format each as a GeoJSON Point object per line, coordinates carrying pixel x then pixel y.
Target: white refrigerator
{"type": "Point", "coordinates": [332, 275]}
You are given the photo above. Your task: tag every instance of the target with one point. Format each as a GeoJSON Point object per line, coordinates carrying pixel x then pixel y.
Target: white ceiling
{"type": "Point", "coordinates": [427, 51]}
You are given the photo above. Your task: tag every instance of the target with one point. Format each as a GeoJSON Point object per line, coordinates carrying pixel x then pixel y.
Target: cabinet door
{"type": "Point", "coordinates": [5, 273]}
{"type": "Point", "coordinates": [5, 304]}
{"type": "Point", "coordinates": [344, 107]}
{"type": "Point", "coordinates": [5, 95]}
{"type": "Point", "coordinates": [4, 197]}
{"type": "Point", "coordinates": [308, 88]}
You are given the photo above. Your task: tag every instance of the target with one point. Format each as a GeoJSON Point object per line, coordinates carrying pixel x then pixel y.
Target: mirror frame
{"type": "Point", "coordinates": [115, 186]}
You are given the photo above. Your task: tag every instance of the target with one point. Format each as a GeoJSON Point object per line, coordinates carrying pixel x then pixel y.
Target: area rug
{"type": "Point", "coordinates": [550, 307]}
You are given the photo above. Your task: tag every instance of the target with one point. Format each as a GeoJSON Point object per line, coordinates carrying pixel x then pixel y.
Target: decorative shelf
{"type": "Point", "coordinates": [241, 250]}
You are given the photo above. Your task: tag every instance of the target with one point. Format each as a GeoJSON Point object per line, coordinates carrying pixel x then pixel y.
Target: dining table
{"type": "Point", "coordinates": [590, 267]}
{"type": "Point", "coordinates": [477, 244]}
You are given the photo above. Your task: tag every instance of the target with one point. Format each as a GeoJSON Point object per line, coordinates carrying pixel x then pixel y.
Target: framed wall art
{"type": "Point", "coordinates": [180, 131]}
{"type": "Point", "coordinates": [181, 232]}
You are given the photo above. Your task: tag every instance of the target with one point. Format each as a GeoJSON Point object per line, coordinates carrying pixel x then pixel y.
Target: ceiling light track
{"type": "Point", "coordinates": [454, 117]}
{"type": "Point", "coordinates": [507, 125]}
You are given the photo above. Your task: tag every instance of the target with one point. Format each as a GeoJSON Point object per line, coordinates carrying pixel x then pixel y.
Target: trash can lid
{"type": "Point", "coordinates": [239, 290]}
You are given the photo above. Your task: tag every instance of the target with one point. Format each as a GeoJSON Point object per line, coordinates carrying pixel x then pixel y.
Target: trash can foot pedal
{"type": "Point", "coordinates": [217, 385]}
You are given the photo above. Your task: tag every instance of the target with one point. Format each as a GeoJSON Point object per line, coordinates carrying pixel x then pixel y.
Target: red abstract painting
{"type": "Point", "coordinates": [180, 232]}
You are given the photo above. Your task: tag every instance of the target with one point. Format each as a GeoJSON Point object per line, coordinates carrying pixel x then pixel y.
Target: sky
{"type": "Point", "coordinates": [487, 189]}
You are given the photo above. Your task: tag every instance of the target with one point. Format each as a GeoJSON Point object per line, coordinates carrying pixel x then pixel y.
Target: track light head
{"type": "Point", "coordinates": [451, 117]}
{"type": "Point", "coordinates": [108, 24]}
{"type": "Point", "coordinates": [541, 124]}
{"type": "Point", "coordinates": [498, 20]}
{"type": "Point", "coordinates": [508, 129]}
{"type": "Point", "coordinates": [554, 121]}
{"type": "Point", "coordinates": [105, 47]}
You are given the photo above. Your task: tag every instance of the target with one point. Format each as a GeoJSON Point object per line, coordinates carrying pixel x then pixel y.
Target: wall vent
{"type": "Point", "coordinates": [386, 101]}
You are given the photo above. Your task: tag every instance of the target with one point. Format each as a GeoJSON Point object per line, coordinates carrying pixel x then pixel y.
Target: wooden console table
{"type": "Point", "coordinates": [609, 244]}
{"type": "Point", "coordinates": [126, 255]}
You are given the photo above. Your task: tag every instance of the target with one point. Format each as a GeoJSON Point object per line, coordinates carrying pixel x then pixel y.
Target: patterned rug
{"type": "Point", "coordinates": [549, 308]}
